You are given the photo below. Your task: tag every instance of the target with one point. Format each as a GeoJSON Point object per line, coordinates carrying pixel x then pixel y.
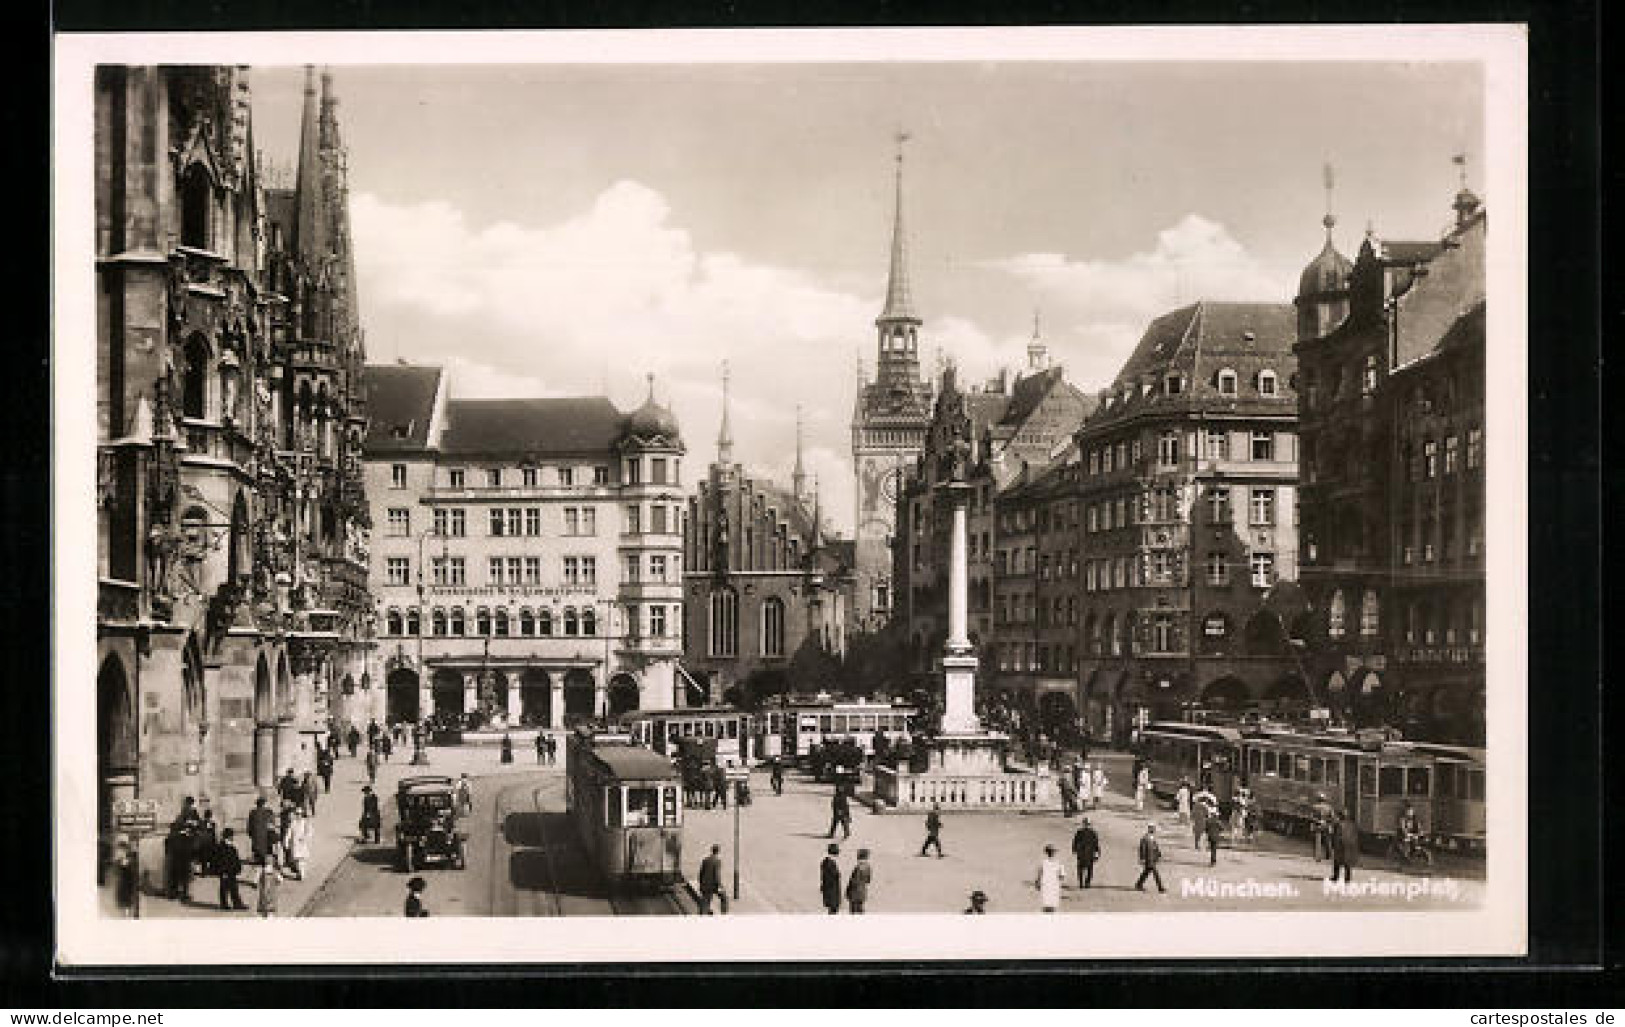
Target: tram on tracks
{"type": "Point", "coordinates": [626, 803]}
{"type": "Point", "coordinates": [733, 731]}
{"type": "Point", "coordinates": [1200, 753]}
{"type": "Point", "coordinates": [792, 731]}
{"type": "Point", "coordinates": [1458, 795]}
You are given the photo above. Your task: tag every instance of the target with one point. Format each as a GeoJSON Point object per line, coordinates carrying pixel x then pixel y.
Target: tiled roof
{"type": "Point", "coordinates": [1028, 393]}
{"type": "Point", "coordinates": [520, 427]}
{"type": "Point", "coordinates": [400, 403]}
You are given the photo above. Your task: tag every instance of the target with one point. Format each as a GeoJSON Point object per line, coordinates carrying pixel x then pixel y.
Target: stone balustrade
{"type": "Point", "coordinates": [909, 792]}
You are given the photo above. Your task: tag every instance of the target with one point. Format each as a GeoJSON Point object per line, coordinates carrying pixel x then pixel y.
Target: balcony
{"type": "Point", "coordinates": [211, 440]}
{"type": "Point", "coordinates": [649, 645]}
{"type": "Point", "coordinates": [117, 600]}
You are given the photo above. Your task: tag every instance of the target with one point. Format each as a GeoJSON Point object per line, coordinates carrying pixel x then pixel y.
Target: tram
{"type": "Point", "coordinates": [1458, 795]}
{"type": "Point", "coordinates": [1200, 753]}
{"type": "Point", "coordinates": [626, 802]}
{"type": "Point", "coordinates": [731, 729]}
{"type": "Point", "coordinates": [1374, 780]}
{"type": "Point", "coordinates": [792, 731]}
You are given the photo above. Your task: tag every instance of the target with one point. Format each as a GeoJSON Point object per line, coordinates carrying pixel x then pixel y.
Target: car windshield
{"type": "Point", "coordinates": [437, 800]}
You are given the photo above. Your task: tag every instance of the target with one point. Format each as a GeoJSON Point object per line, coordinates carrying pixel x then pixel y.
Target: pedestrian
{"type": "Point", "coordinates": [229, 864]}
{"type": "Point", "coordinates": [541, 747]}
{"type": "Point", "coordinates": [308, 792]}
{"type": "Point", "coordinates": [205, 840]}
{"type": "Point", "coordinates": [719, 784]}
{"type": "Point", "coordinates": [1182, 800]}
{"type": "Point", "coordinates": [776, 775]}
{"type": "Point", "coordinates": [1069, 794]}
{"type": "Point", "coordinates": [1051, 875]}
{"type": "Point", "coordinates": [1142, 786]}
{"type": "Point", "coordinates": [270, 883]}
{"type": "Point", "coordinates": [829, 879]}
{"type": "Point", "coordinates": [297, 844]}
{"type": "Point", "coordinates": [552, 750]}
{"type": "Point", "coordinates": [507, 747]}
{"type": "Point", "coordinates": [354, 739]}
{"type": "Point", "coordinates": [1322, 824]}
{"type": "Point", "coordinates": [1086, 787]}
{"type": "Point", "coordinates": [1214, 828]}
{"type": "Point", "coordinates": [1198, 821]}
{"type": "Point", "coordinates": [372, 819]}
{"type": "Point", "coordinates": [287, 788]}
{"type": "Point", "coordinates": [840, 814]}
{"type": "Point", "coordinates": [1345, 840]}
{"type": "Point", "coordinates": [387, 744]}
{"type": "Point", "coordinates": [372, 766]}
{"type": "Point", "coordinates": [857, 886]}
{"type": "Point", "coordinates": [126, 875]}
{"type": "Point", "coordinates": [260, 819]}
{"type": "Point", "coordinates": [978, 902]}
{"type": "Point", "coordinates": [1150, 856]}
{"type": "Point", "coordinates": [1086, 849]}
{"type": "Point", "coordinates": [324, 768]}
{"type": "Point", "coordinates": [414, 898]}
{"type": "Point", "coordinates": [1099, 783]}
{"type": "Point", "coordinates": [465, 795]}
{"type": "Point", "coordinates": [372, 734]}
{"type": "Point", "coordinates": [178, 860]}
{"type": "Point", "coordinates": [711, 881]}
{"type": "Point", "coordinates": [933, 830]}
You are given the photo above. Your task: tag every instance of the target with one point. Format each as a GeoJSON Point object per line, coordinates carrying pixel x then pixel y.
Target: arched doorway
{"type": "Point", "coordinates": [447, 689]}
{"type": "Point", "coordinates": [116, 751]}
{"type": "Point", "coordinates": [1226, 693]}
{"type": "Point", "coordinates": [579, 695]}
{"type": "Point", "coordinates": [623, 694]}
{"type": "Point", "coordinates": [401, 696]}
{"type": "Point", "coordinates": [535, 697]}
{"type": "Point", "coordinates": [1289, 693]}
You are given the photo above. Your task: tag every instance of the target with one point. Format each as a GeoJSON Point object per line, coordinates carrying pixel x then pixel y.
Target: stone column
{"type": "Point", "coordinates": [958, 661]}
{"type": "Point", "coordinates": [471, 692]}
{"type": "Point", "coordinates": [425, 697]}
{"type": "Point", "coordinates": [265, 770]}
{"type": "Point", "coordinates": [287, 748]}
{"type": "Point", "coordinates": [555, 705]}
{"type": "Point", "coordinates": [514, 707]}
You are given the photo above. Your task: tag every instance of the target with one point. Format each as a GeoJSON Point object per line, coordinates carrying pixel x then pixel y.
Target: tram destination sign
{"type": "Point", "coordinates": [136, 816]}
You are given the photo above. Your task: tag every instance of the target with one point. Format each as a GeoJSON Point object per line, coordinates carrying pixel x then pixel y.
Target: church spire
{"type": "Point", "coordinates": [308, 178]}
{"type": "Point", "coordinates": [798, 477]}
{"type": "Point", "coordinates": [899, 298]}
{"type": "Point", "coordinates": [725, 435]}
{"type": "Point", "coordinates": [1330, 219]}
{"type": "Point", "coordinates": [1037, 352]}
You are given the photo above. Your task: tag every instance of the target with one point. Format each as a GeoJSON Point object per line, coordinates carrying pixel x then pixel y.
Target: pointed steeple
{"type": "Point", "coordinates": [899, 299]}
{"type": "Point", "coordinates": [308, 179]}
{"type": "Point", "coordinates": [798, 477]}
{"type": "Point", "coordinates": [725, 436]}
{"type": "Point", "coordinates": [817, 541]}
{"type": "Point", "coordinates": [1037, 352]}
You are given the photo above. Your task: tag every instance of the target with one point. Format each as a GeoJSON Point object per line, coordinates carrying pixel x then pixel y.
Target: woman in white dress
{"type": "Point", "coordinates": [1050, 876]}
{"type": "Point", "coordinates": [1100, 784]}
{"type": "Point", "coordinates": [298, 845]}
{"type": "Point", "coordinates": [1086, 787]}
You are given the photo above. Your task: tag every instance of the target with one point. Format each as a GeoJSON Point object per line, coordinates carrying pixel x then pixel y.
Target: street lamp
{"type": "Point", "coordinates": [420, 754]}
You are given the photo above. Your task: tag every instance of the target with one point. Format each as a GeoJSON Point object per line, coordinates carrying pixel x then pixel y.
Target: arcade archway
{"type": "Point", "coordinates": [535, 697]}
{"type": "Point", "coordinates": [623, 694]}
{"type": "Point", "coordinates": [116, 750]}
{"type": "Point", "coordinates": [447, 689]}
{"type": "Point", "coordinates": [1226, 693]}
{"type": "Point", "coordinates": [401, 696]}
{"type": "Point", "coordinates": [579, 697]}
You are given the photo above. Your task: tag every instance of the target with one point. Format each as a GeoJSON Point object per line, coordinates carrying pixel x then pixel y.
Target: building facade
{"type": "Point", "coordinates": [1393, 480]}
{"type": "Point", "coordinates": [768, 594]}
{"type": "Point", "coordinates": [1187, 494]}
{"type": "Point", "coordinates": [528, 553]}
{"type": "Point", "coordinates": [233, 617]}
{"type": "Point", "coordinates": [890, 418]}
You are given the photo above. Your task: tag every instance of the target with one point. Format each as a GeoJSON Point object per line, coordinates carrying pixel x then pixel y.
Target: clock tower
{"type": "Point", "coordinates": [889, 422]}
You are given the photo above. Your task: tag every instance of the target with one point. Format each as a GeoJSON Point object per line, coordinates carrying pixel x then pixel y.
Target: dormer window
{"type": "Point", "coordinates": [1266, 383]}
{"type": "Point", "coordinates": [1227, 382]}
{"type": "Point", "coordinates": [1173, 385]}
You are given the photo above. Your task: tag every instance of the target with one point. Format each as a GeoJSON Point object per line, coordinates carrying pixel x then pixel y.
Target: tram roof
{"type": "Point", "coordinates": [633, 762]}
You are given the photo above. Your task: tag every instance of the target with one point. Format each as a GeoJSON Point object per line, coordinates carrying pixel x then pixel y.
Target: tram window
{"type": "Point", "coordinates": [823, 723]}
{"type": "Point", "coordinates": [1271, 762]}
{"type": "Point", "coordinates": [772, 723]}
{"type": "Point", "coordinates": [1300, 768]}
{"type": "Point", "coordinates": [671, 730]}
{"type": "Point", "coordinates": [1391, 781]}
{"type": "Point", "coordinates": [1475, 785]}
{"type": "Point", "coordinates": [642, 807]}
{"type": "Point", "coordinates": [1331, 771]}
{"type": "Point", "coordinates": [1317, 771]}
{"type": "Point", "coordinates": [733, 729]}
{"type": "Point", "coordinates": [842, 724]}
{"type": "Point", "coordinates": [710, 728]}
{"type": "Point", "coordinates": [612, 807]}
{"type": "Point", "coordinates": [869, 722]}
{"type": "Point", "coordinates": [1368, 780]}
{"type": "Point", "coordinates": [1418, 781]}
{"type": "Point", "coordinates": [1255, 761]}
{"type": "Point", "coordinates": [1447, 781]}
{"type": "Point", "coordinates": [668, 807]}
{"type": "Point", "coordinates": [688, 728]}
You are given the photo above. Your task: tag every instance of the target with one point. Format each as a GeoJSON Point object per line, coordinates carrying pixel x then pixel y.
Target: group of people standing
{"type": "Point", "coordinates": [858, 881]}
{"type": "Point", "coordinates": [1082, 787]}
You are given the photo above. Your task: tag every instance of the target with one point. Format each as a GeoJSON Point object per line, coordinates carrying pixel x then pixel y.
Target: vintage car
{"type": "Point", "coordinates": [427, 828]}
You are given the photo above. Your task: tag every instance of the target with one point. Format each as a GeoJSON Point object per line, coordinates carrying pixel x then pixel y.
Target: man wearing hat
{"type": "Point", "coordinates": [1086, 848]}
{"type": "Point", "coordinates": [414, 897]}
{"type": "Point", "coordinates": [1150, 856]}
{"type": "Point", "coordinates": [857, 886]}
{"type": "Point", "coordinates": [978, 902]}
{"type": "Point", "coordinates": [829, 879]}
{"type": "Point", "coordinates": [1320, 825]}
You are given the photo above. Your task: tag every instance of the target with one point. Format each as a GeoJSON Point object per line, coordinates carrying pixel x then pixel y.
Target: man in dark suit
{"type": "Point", "coordinates": [1150, 856]}
{"type": "Point", "coordinates": [829, 880]}
{"type": "Point", "coordinates": [711, 881]}
{"type": "Point", "coordinates": [260, 822]}
{"type": "Point", "coordinates": [933, 830]}
{"type": "Point", "coordinates": [857, 886]}
{"type": "Point", "coordinates": [228, 864]}
{"type": "Point", "coordinates": [1086, 847]}
{"type": "Point", "coordinates": [1345, 847]}
{"type": "Point", "coordinates": [840, 814]}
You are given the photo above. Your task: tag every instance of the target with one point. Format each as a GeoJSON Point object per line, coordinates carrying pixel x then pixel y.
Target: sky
{"type": "Point", "coordinates": [571, 229]}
